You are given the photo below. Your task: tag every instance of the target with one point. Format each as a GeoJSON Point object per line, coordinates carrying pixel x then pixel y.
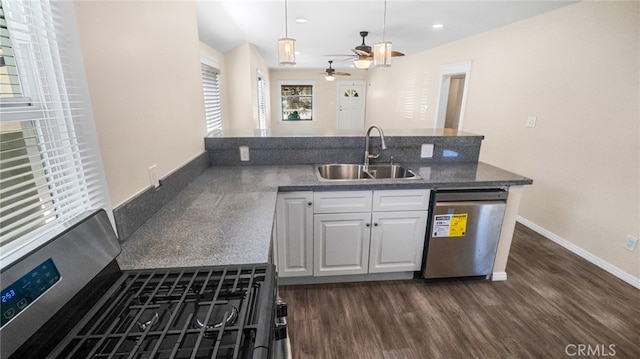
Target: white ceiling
{"type": "Point", "coordinates": [334, 26]}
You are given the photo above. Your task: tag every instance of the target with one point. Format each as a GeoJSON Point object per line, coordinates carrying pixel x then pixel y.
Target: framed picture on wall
{"type": "Point", "coordinates": [297, 100]}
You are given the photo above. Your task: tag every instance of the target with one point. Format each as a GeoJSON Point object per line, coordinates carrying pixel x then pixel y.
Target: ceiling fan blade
{"type": "Point", "coordinates": [396, 54]}
{"type": "Point", "coordinates": [338, 73]}
{"type": "Point", "coordinates": [360, 52]}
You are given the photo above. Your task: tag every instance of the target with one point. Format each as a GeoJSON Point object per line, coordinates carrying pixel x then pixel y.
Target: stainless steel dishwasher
{"type": "Point", "coordinates": [463, 233]}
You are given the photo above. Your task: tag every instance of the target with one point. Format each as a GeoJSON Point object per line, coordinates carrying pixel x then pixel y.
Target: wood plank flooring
{"type": "Point", "coordinates": [553, 305]}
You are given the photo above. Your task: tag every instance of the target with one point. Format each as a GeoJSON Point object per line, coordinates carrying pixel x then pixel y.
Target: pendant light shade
{"type": "Point", "coordinates": [286, 45]}
{"type": "Point", "coordinates": [382, 50]}
{"type": "Point", "coordinates": [287, 52]}
{"type": "Point", "coordinates": [382, 54]}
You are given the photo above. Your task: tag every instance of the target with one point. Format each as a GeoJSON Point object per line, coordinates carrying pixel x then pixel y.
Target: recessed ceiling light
{"type": "Point", "coordinates": [302, 20]}
{"type": "Point", "coordinates": [437, 26]}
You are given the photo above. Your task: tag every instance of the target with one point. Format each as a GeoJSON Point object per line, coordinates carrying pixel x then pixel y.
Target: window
{"type": "Point", "coordinates": [50, 166]}
{"type": "Point", "coordinates": [296, 101]}
{"type": "Point", "coordinates": [212, 101]}
{"type": "Point", "coordinates": [262, 102]}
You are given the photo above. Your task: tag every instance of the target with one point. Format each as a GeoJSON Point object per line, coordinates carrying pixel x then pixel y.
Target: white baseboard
{"type": "Point", "coordinates": [634, 281]}
{"type": "Point", "coordinates": [499, 276]}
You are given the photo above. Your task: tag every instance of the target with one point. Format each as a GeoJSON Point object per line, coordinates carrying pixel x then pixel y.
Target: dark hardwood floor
{"type": "Point", "coordinates": [554, 304]}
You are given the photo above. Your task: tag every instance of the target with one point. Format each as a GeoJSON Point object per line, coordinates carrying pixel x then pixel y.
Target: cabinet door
{"type": "Point", "coordinates": [294, 232]}
{"type": "Point", "coordinates": [397, 241]}
{"type": "Point", "coordinates": [401, 200]}
{"type": "Point", "coordinates": [341, 243]}
{"type": "Point", "coordinates": [342, 202]}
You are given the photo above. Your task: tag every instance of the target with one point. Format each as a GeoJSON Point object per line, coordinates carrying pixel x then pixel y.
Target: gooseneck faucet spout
{"type": "Point", "coordinates": [367, 153]}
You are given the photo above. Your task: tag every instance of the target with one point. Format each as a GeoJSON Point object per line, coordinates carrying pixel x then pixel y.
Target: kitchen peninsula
{"type": "Point", "coordinates": [226, 214]}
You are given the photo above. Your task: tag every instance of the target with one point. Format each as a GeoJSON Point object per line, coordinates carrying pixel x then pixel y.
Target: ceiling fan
{"type": "Point", "coordinates": [365, 50]}
{"type": "Point", "coordinates": [363, 54]}
{"type": "Point", "coordinates": [330, 72]}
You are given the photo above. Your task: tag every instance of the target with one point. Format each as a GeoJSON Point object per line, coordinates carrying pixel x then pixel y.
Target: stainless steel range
{"type": "Point", "coordinates": [69, 299]}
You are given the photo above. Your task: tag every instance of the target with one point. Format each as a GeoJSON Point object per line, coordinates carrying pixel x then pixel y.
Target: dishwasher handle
{"type": "Point", "coordinates": [471, 195]}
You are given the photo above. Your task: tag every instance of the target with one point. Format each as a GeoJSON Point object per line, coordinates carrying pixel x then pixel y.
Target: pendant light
{"type": "Point", "coordinates": [382, 50]}
{"type": "Point", "coordinates": [286, 45]}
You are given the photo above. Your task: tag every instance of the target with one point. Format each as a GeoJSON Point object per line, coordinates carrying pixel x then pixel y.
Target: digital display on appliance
{"type": "Point", "coordinates": [19, 294]}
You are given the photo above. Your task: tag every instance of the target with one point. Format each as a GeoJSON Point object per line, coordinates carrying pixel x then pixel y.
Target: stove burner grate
{"type": "Point", "coordinates": [208, 312]}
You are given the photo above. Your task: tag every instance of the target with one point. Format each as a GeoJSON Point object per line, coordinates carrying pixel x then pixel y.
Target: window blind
{"type": "Point", "coordinates": [212, 101]}
{"type": "Point", "coordinates": [50, 165]}
{"type": "Point", "coordinates": [262, 103]}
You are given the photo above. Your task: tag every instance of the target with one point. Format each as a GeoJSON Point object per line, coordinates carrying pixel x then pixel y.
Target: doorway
{"type": "Point", "coordinates": [452, 97]}
{"type": "Point", "coordinates": [351, 104]}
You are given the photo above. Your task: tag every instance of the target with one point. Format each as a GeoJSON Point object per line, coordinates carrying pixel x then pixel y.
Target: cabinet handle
{"type": "Point", "coordinates": [309, 203]}
{"type": "Point", "coordinates": [375, 224]}
{"type": "Point", "coordinates": [368, 224]}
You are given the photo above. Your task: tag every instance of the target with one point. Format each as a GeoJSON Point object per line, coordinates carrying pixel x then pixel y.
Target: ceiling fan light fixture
{"type": "Point", "coordinates": [362, 63]}
{"type": "Point", "coordinates": [329, 77]}
{"type": "Point", "coordinates": [286, 45]}
{"type": "Point", "coordinates": [382, 54]}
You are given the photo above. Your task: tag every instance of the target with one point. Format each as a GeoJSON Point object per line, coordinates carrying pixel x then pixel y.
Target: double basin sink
{"type": "Point", "coordinates": [352, 172]}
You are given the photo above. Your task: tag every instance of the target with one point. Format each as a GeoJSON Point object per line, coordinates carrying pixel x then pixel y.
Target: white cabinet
{"type": "Point", "coordinates": [294, 234]}
{"type": "Point", "coordinates": [401, 200]}
{"type": "Point", "coordinates": [350, 232]}
{"type": "Point", "coordinates": [342, 202]}
{"type": "Point", "coordinates": [369, 231]}
{"type": "Point", "coordinates": [341, 243]}
{"type": "Point", "coordinates": [341, 231]}
{"type": "Point", "coordinates": [397, 241]}
{"type": "Point", "coordinates": [399, 225]}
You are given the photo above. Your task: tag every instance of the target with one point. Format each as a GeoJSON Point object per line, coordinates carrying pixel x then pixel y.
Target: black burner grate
{"type": "Point", "coordinates": [201, 312]}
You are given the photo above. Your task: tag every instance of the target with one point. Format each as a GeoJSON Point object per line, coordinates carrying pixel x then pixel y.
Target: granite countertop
{"type": "Point", "coordinates": [225, 216]}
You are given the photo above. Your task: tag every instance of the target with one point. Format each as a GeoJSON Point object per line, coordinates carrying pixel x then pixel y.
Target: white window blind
{"type": "Point", "coordinates": [262, 103]}
{"type": "Point", "coordinates": [212, 101]}
{"type": "Point", "coordinates": [50, 165]}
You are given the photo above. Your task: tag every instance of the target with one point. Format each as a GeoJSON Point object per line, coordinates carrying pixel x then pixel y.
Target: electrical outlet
{"type": "Point", "coordinates": [630, 243]}
{"type": "Point", "coordinates": [244, 153]}
{"type": "Point", "coordinates": [153, 176]}
{"type": "Point", "coordinates": [426, 151]}
{"type": "Point", "coordinates": [531, 121]}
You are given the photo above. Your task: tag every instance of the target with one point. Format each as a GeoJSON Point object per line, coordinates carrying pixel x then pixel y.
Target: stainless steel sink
{"type": "Point", "coordinates": [337, 172]}
{"type": "Point", "coordinates": [352, 172]}
{"type": "Point", "coordinates": [390, 171]}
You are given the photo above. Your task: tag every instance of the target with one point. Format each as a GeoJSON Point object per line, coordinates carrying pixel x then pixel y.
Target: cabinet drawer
{"type": "Point", "coordinates": [342, 202]}
{"type": "Point", "coordinates": [401, 200]}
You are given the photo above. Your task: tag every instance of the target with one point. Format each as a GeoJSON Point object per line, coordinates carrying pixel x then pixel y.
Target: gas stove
{"type": "Point", "coordinates": [60, 303]}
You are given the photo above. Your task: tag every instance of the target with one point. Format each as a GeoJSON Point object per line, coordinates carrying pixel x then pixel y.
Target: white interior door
{"type": "Point", "coordinates": [351, 102]}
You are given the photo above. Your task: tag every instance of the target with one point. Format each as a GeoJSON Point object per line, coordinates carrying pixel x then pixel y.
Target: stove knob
{"type": "Point", "coordinates": [280, 331]}
{"type": "Point", "coordinates": [281, 309]}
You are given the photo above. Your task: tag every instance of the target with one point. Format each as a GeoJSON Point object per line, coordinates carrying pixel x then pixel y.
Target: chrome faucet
{"type": "Point", "coordinates": [367, 153]}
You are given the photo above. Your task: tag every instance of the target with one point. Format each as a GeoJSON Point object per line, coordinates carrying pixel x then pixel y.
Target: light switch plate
{"type": "Point", "coordinates": [630, 243]}
{"type": "Point", "coordinates": [426, 151]}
